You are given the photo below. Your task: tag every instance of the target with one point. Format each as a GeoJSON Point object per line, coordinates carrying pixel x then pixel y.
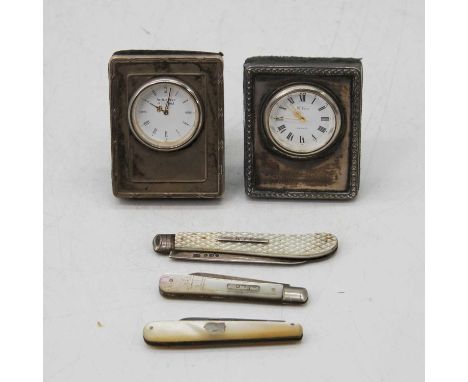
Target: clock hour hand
{"type": "Point", "coordinates": [297, 114]}
{"type": "Point", "coordinates": [152, 104]}
{"type": "Point", "coordinates": [159, 109]}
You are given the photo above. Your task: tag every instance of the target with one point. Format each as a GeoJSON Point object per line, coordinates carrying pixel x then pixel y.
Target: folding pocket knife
{"type": "Point", "coordinates": [207, 285]}
{"type": "Point", "coordinates": [245, 247]}
{"type": "Point", "coordinates": [212, 331]}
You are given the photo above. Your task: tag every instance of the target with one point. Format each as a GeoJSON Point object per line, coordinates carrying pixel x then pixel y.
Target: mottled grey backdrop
{"type": "Point", "coordinates": [364, 320]}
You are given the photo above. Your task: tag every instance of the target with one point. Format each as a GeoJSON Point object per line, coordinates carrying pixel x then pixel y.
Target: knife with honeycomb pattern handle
{"type": "Point", "coordinates": [245, 247]}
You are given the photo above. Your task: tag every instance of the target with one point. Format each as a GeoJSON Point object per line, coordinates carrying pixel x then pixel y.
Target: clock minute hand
{"type": "Point", "coordinates": [289, 119]}
{"type": "Point", "coordinates": [166, 110]}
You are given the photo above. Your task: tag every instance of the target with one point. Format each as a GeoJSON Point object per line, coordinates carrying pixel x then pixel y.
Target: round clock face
{"type": "Point", "coordinates": [302, 120]}
{"type": "Point", "coordinates": [165, 114]}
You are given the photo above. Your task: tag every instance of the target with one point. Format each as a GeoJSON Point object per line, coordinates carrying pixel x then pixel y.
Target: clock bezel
{"type": "Point", "coordinates": [293, 88]}
{"type": "Point", "coordinates": [141, 136]}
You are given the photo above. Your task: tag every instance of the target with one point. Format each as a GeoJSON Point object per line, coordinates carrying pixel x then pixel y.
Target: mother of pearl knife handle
{"type": "Point", "coordinates": [198, 331]}
{"type": "Point", "coordinates": [245, 247]}
{"type": "Point", "coordinates": [207, 285]}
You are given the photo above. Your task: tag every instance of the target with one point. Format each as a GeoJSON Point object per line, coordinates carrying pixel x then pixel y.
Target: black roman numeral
{"type": "Point", "coordinates": [301, 139]}
{"type": "Point", "coordinates": [290, 136]}
{"type": "Point", "coordinates": [154, 92]}
{"type": "Point", "coordinates": [302, 97]}
{"type": "Point", "coordinates": [281, 128]}
{"type": "Point", "coordinates": [313, 100]}
{"type": "Point", "coordinates": [323, 107]}
{"type": "Point", "coordinates": [146, 123]}
{"type": "Point", "coordinates": [322, 129]}
{"type": "Point", "coordinates": [290, 99]}
{"type": "Point", "coordinates": [154, 131]}
{"type": "Point", "coordinates": [313, 136]}
{"type": "Point", "coordinates": [324, 118]}
{"type": "Point", "coordinates": [282, 107]}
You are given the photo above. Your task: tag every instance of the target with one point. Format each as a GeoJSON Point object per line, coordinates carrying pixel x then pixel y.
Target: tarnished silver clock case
{"type": "Point", "coordinates": [136, 129]}
{"type": "Point", "coordinates": [291, 89]}
{"type": "Point", "coordinates": [332, 174]}
{"type": "Point", "coordinates": [194, 171]}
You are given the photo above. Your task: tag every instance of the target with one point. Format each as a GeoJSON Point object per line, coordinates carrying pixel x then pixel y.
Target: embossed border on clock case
{"type": "Point", "coordinates": [250, 120]}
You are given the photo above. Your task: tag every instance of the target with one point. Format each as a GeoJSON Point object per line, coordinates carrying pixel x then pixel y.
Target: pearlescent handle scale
{"type": "Point", "coordinates": [197, 331]}
{"type": "Point", "coordinates": [245, 246]}
{"type": "Point", "coordinates": [205, 285]}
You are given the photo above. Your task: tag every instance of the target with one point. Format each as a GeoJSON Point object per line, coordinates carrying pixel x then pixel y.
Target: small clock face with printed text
{"type": "Point", "coordinates": [302, 120]}
{"type": "Point", "coordinates": [165, 114]}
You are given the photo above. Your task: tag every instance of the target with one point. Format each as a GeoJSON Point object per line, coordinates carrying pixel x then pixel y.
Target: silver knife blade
{"type": "Point", "coordinates": [231, 258]}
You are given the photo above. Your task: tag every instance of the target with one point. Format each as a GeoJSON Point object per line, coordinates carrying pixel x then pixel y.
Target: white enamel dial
{"type": "Point", "coordinates": [165, 114]}
{"type": "Point", "coordinates": [302, 120]}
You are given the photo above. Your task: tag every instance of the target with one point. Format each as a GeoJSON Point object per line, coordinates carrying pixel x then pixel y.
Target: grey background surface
{"type": "Point", "coordinates": [364, 321]}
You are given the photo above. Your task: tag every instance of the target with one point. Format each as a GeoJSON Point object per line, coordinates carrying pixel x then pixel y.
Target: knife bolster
{"type": "Point", "coordinates": [164, 243]}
